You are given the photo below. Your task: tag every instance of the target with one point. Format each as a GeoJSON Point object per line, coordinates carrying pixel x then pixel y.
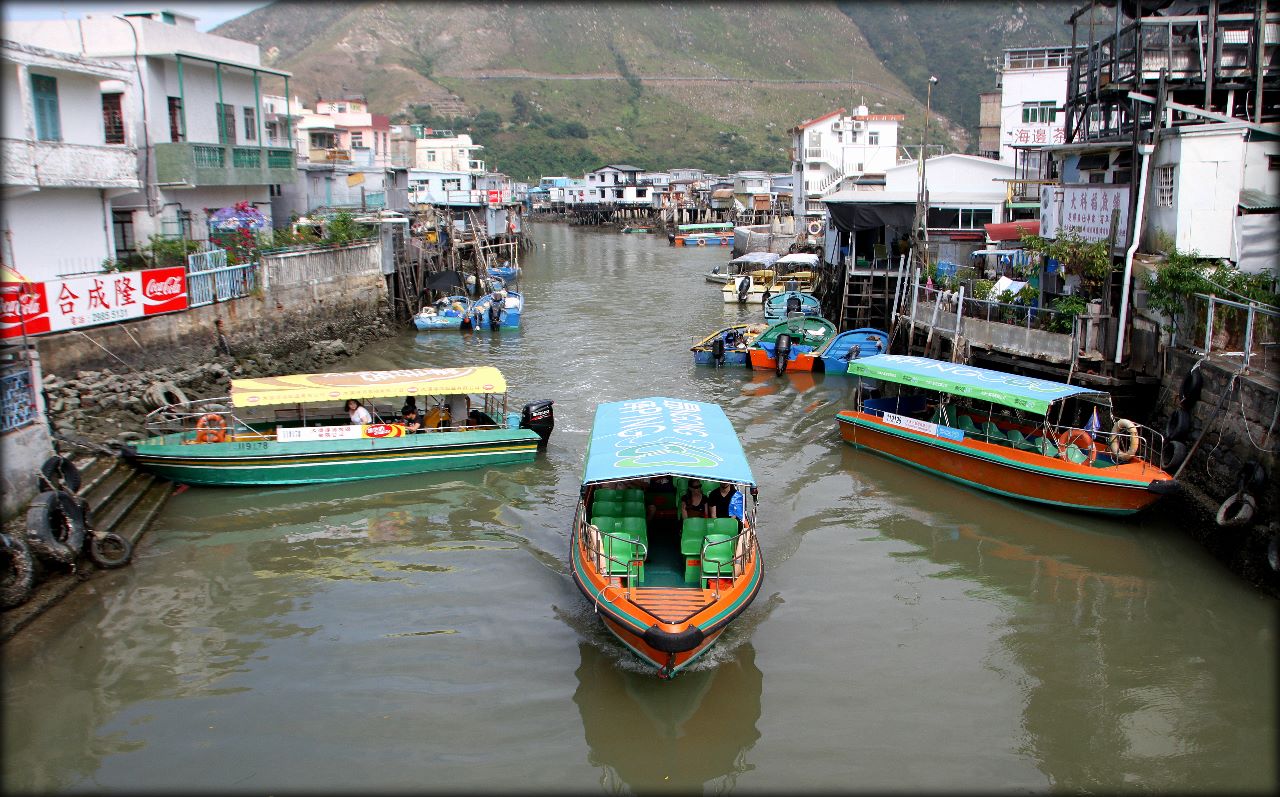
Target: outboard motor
{"type": "Point", "coordinates": [854, 352]}
{"type": "Point", "coordinates": [744, 288]}
{"type": "Point", "coordinates": [495, 313]}
{"type": "Point", "coordinates": [793, 285]}
{"type": "Point", "coordinates": [717, 351]}
{"type": "Point", "coordinates": [539, 416]}
{"type": "Point", "coordinates": [793, 304]}
{"type": "Point", "coordinates": [782, 352]}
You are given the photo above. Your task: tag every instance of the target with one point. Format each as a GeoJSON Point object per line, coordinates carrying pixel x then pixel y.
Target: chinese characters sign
{"type": "Point", "coordinates": [350, 432]}
{"type": "Point", "coordinates": [61, 304]}
{"type": "Point", "coordinates": [1086, 209]}
{"type": "Point", "coordinates": [1027, 134]}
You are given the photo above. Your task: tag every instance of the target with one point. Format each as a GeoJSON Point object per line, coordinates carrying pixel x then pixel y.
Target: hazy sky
{"type": "Point", "coordinates": [209, 14]}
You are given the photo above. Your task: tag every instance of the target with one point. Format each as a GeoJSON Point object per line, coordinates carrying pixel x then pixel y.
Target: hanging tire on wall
{"type": "Point", "coordinates": [17, 571]}
{"type": "Point", "coordinates": [1189, 391]}
{"type": "Point", "coordinates": [162, 394]}
{"type": "Point", "coordinates": [1172, 455]}
{"type": "Point", "coordinates": [55, 527]}
{"type": "Point", "coordinates": [58, 473]}
{"type": "Point", "coordinates": [1251, 476]}
{"type": "Point", "coordinates": [1178, 426]}
{"type": "Point", "coordinates": [1237, 510]}
{"type": "Point", "coordinates": [109, 550]}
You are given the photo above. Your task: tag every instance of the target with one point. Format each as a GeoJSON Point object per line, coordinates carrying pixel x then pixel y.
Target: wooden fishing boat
{"type": "Point", "coordinates": [709, 234]}
{"type": "Point", "coordinates": [789, 302]}
{"type": "Point", "coordinates": [292, 430]}
{"type": "Point", "coordinates": [751, 261]}
{"type": "Point", "coordinates": [1013, 435]}
{"type": "Point", "coordinates": [506, 271]}
{"type": "Point", "coordinates": [666, 588]}
{"type": "Point", "coordinates": [789, 345]}
{"type": "Point", "coordinates": [852, 344]}
{"type": "Point", "coordinates": [728, 345]}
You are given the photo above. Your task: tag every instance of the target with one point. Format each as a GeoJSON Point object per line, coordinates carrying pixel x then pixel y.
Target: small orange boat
{"type": "Point", "coordinates": [665, 586]}
{"type": "Point", "coordinates": [992, 430]}
{"type": "Point", "coordinates": [797, 339]}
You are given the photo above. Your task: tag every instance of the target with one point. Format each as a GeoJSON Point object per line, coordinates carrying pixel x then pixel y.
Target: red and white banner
{"type": "Point", "coordinates": [56, 305]}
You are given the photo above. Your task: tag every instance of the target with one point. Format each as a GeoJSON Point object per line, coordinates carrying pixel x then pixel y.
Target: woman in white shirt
{"type": "Point", "coordinates": [358, 414]}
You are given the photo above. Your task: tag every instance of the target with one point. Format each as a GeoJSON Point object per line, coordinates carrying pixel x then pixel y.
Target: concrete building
{"type": "Point", "coordinates": [834, 152]}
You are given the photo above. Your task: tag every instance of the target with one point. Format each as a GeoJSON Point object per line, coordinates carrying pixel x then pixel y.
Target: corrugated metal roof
{"type": "Point", "coordinates": [722, 193]}
{"type": "Point", "coordinates": [1253, 199]}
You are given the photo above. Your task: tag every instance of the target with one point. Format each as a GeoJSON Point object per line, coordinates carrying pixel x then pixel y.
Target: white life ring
{"type": "Point", "coordinates": [1123, 427]}
{"type": "Point", "coordinates": [815, 227]}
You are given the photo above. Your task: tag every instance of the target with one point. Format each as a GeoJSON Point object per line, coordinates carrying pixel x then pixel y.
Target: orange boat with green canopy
{"type": "Point", "coordinates": [294, 429]}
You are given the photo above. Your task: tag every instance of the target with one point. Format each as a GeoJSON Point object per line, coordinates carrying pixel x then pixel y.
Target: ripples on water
{"type": "Point", "coordinates": [423, 633]}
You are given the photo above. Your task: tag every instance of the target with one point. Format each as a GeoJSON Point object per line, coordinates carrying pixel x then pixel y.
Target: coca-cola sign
{"type": "Point", "coordinates": [54, 305]}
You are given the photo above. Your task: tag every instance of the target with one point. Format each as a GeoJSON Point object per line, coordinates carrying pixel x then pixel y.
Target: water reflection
{"type": "Point", "coordinates": [669, 736]}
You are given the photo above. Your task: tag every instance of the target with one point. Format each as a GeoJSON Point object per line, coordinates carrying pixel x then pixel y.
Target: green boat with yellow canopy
{"type": "Point", "coordinates": [296, 429]}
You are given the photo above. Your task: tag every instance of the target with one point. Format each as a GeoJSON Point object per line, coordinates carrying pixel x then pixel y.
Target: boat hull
{"type": "Point", "coordinates": [731, 357]}
{"type": "Point", "coordinates": [715, 240]}
{"type": "Point", "coordinates": [1117, 490]}
{"type": "Point", "coordinates": [306, 462]}
{"type": "Point", "coordinates": [762, 358]}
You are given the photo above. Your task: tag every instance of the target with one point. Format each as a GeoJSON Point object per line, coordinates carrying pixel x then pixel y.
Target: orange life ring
{"type": "Point", "coordinates": [1083, 441]}
{"type": "Point", "coordinates": [211, 428]}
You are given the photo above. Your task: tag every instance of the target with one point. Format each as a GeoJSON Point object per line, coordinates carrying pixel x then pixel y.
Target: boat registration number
{"type": "Point", "coordinates": [917, 425]}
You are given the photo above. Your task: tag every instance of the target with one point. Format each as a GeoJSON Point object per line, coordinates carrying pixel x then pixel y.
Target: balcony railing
{"type": "Point", "coordinates": [65, 165]}
{"type": "Point", "coordinates": [184, 163]}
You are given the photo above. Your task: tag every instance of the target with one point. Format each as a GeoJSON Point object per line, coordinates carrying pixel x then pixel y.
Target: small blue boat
{"type": "Point", "coordinates": [850, 345]}
{"type": "Point", "coordinates": [504, 272]}
{"type": "Point", "coordinates": [782, 305]}
{"type": "Point", "coordinates": [451, 312]}
{"type": "Point", "coordinates": [498, 310]}
{"type": "Point", "coordinates": [727, 346]}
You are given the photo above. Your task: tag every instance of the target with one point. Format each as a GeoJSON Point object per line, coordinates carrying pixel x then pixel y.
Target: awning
{"type": "Point", "coordinates": [756, 258]}
{"type": "Point", "coordinates": [305, 388]}
{"type": "Point", "coordinates": [1010, 390]}
{"type": "Point", "coordinates": [1253, 200]}
{"type": "Point", "coordinates": [722, 193]}
{"type": "Point", "coordinates": [664, 436]}
{"type": "Point", "coordinates": [443, 280]}
{"type": "Point", "coordinates": [1012, 230]}
{"type": "Point", "coordinates": [853, 216]}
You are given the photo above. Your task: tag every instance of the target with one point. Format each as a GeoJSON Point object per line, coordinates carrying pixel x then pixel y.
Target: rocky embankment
{"type": "Point", "coordinates": [111, 405]}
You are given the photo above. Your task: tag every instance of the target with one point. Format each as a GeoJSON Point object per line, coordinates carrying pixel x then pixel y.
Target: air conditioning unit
{"type": "Point", "coordinates": [837, 126]}
{"type": "Point", "coordinates": [859, 125]}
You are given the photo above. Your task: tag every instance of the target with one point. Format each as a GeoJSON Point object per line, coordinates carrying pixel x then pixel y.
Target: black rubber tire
{"type": "Point", "coordinates": [55, 527]}
{"type": "Point", "coordinates": [162, 394]}
{"type": "Point", "coordinates": [1178, 426]}
{"type": "Point", "coordinates": [1252, 476]}
{"type": "Point", "coordinates": [109, 550]}
{"type": "Point", "coordinates": [17, 573]}
{"type": "Point", "coordinates": [1237, 510]}
{"type": "Point", "coordinates": [1192, 385]}
{"type": "Point", "coordinates": [58, 473]}
{"type": "Point", "coordinates": [1172, 455]}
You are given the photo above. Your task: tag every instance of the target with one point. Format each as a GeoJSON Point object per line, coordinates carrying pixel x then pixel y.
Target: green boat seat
{"type": "Point", "coordinates": [621, 556]}
{"type": "Point", "coordinates": [1074, 454]}
{"type": "Point", "coordinates": [708, 486]}
{"type": "Point", "coordinates": [609, 494]}
{"type": "Point", "coordinates": [1045, 447]}
{"type": "Point", "coordinates": [717, 556]}
{"type": "Point", "coordinates": [635, 527]}
{"type": "Point", "coordinates": [633, 509]}
{"type": "Point", "coordinates": [726, 526]}
{"type": "Point", "coordinates": [632, 494]}
{"type": "Point", "coordinates": [941, 417]}
{"type": "Point", "coordinates": [691, 534]}
{"type": "Point", "coordinates": [1018, 440]}
{"type": "Point", "coordinates": [994, 435]}
{"type": "Point", "coordinates": [606, 523]}
{"type": "Point", "coordinates": [610, 508]}
{"type": "Point", "coordinates": [965, 424]}
{"type": "Point", "coordinates": [682, 487]}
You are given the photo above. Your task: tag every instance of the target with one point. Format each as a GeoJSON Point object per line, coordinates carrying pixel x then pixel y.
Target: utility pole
{"type": "Point", "coordinates": [920, 223]}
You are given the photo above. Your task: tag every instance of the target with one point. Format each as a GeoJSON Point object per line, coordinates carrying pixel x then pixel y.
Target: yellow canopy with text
{"type": "Point", "coordinates": [302, 388]}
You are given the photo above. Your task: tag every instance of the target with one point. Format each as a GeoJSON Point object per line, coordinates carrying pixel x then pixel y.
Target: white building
{"type": "Point", "coordinates": [1033, 91]}
{"type": "Point", "coordinates": [198, 123]}
{"type": "Point", "coordinates": [66, 154]}
{"type": "Point", "coordinates": [831, 153]}
{"type": "Point", "coordinates": [444, 151]}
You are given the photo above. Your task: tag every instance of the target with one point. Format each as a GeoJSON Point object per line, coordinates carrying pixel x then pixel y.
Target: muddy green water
{"type": "Point", "coordinates": [423, 633]}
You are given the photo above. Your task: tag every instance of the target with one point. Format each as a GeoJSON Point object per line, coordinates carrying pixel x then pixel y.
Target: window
{"type": "Point", "coordinates": [226, 115]}
{"type": "Point", "coordinates": [873, 138]}
{"type": "Point", "coordinates": [815, 138]}
{"type": "Point", "coordinates": [250, 124]}
{"type": "Point", "coordinates": [855, 137]}
{"type": "Point", "coordinates": [357, 140]}
{"type": "Point", "coordinates": [274, 190]}
{"type": "Point", "coordinates": [959, 218]}
{"type": "Point", "coordinates": [814, 166]}
{"type": "Point", "coordinates": [1038, 113]}
{"type": "Point", "coordinates": [112, 119]}
{"type": "Point", "coordinates": [453, 185]}
{"type": "Point", "coordinates": [44, 100]}
{"type": "Point", "coordinates": [1273, 163]}
{"type": "Point", "coordinates": [431, 156]}
{"type": "Point", "coordinates": [1164, 187]}
{"type": "Point", "coordinates": [122, 232]}
{"type": "Point", "coordinates": [176, 131]}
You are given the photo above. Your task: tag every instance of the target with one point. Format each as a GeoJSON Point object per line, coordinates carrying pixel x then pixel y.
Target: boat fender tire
{"type": "Point", "coordinates": [55, 526]}
{"type": "Point", "coordinates": [18, 572]}
{"type": "Point", "coordinates": [1175, 451]}
{"type": "Point", "coordinates": [1179, 425]}
{"type": "Point", "coordinates": [59, 473]}
{"type": "Point", "coordinates": [781, 353]}
{"type": "Point", "coordinates": [717, 351]}
{"type": "Point", "coordinates": [814, 227]}
{"type": "Point", "coordinates": [109, 550]}
{"type": "Point", "coordinates": [1164, 486]}
{"type": "Point", "coordinates": [664, 641]}
{"type": "Point", "coordinates": [163, 394]}
{"type": "Point", "coordinates": [211, 428]}
{"type": "Point", "coordinates": [1124, 428]}
{"type": "Point", "coordinates": [1083, 441]}
{"type": "Point", "coordinates": [1252, 476]}
{"type": "Point", "coordinates": [1237, 510]}
{"type": "Point", "coordinates": [1190, 389]}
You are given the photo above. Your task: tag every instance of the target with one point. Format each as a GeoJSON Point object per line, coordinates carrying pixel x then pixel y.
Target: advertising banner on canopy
{"type": "Point", "coordinates": [55, 305]}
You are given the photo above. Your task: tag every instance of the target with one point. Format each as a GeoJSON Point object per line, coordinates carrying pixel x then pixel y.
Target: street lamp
{"type": "Point", "coordinates": [922, 195]}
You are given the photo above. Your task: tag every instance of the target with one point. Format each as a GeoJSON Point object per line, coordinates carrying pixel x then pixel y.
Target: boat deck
{"type": "Point", "coordinates": [671, 604]}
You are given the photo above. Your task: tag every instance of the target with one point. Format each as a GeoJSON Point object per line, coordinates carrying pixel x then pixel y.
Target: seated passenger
{"type": "Point", "coordinates": [721, 498]}
{"type": "Point", "coordinates": [412, 423]}
{"type": "Point", "coordinates": [357, 413]}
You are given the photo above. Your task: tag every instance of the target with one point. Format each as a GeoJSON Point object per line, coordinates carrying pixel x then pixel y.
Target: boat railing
{"type": "Point", "coordinates": [593, 544]}
{"type": "Point", "coordinates": [743, 551]}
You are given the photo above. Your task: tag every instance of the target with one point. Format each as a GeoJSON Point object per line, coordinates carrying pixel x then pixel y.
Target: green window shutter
{"type": "Point", "coordinates": [44, 101]}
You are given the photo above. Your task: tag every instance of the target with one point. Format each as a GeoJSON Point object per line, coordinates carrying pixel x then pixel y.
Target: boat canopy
{"type": "Point", "coordinates": [755, 258]}
{"type": "Point", "coordinates": [1011, 390]}
{"type": "Point", "coordinates": [804, 259]}
{"type": "Point", "coordinates": [716, 225]}
{"type": "Point", "coordinates": [658, 436]}
{"type": "Point", "coordinates": [304, 388]}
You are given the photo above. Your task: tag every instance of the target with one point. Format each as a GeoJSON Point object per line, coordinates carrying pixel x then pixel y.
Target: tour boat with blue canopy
{"type": "Point", "coordinates": [296, 430]}
{"type": "Point", "coordinates": [1019, 436]}
{"type": "Point", "coordinates": [665, 585]}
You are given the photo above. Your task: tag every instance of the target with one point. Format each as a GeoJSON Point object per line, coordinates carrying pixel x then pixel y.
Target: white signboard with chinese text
{"type": "Point", "coordinates": [1085, 209]}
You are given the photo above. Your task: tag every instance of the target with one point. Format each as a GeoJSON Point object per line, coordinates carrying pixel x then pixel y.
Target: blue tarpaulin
{"type": "Point", "coordinates": [659, 436]}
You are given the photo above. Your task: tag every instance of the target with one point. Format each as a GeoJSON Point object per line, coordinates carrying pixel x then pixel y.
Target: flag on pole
{"type": "Point", "coordinates": [1094, 424]}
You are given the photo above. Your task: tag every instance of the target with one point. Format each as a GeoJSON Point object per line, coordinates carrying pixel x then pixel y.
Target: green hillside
{"type": "Point", "coordinates": [552, 88]}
